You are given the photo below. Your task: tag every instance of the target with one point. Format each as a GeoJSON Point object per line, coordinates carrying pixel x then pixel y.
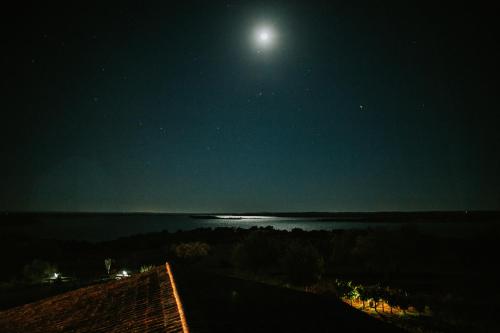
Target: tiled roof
{"type": "Point", "coordinates": [142, 303]}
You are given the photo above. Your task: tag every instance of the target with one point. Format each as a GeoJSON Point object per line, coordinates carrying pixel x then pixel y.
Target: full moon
{"type": "Point", "coordinates": [264, 37]}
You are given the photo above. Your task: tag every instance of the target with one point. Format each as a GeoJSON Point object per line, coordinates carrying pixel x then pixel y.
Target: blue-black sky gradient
{"type": "Point", "coordinates": [161, 107]}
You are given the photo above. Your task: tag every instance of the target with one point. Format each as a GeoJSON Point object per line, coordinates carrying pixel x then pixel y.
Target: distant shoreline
{"type": "Point", "coordinates": [407, 217]}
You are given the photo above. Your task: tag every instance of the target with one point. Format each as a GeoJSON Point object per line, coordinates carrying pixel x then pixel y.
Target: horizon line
{"type": "Point", "coordinates": [463, 211]}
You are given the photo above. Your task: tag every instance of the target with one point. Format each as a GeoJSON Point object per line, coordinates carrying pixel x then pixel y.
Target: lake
{"type": "Point", "coordinates": [108, 227]}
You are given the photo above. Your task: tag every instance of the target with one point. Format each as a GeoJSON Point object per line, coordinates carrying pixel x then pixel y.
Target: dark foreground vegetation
{"type": "Point", "coordinates": [416, 280]}
{"type": "Point", "coordinates": [217, 303]}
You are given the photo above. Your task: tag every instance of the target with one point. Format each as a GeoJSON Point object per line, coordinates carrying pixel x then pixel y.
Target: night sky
{"type": "Point", "coordinates": [154, 106]}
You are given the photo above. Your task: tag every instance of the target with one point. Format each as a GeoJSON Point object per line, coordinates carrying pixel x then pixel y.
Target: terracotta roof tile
{"type": "Point", "coordinates": [142, 303]}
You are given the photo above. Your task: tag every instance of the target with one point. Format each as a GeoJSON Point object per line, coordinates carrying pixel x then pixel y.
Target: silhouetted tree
{"type": "Point", "coordinates": [257, 252]}
{"type": "Point", "coordinates": [403, 301]}
{"type": "Point", "coordinates": [302, 263]}
{"type": "Point", "coordinates": [363, 295]}
{"type": "Point", "coordinates": [346, 289]}
{"type": "Point", "coordinates": [107, 264]}
{"type": "Point", "coordinates": [192, 251]}
{"type": "Point", "coordinates": [391, 297]}
{"type": "Point", "coordinates": [419, 303]}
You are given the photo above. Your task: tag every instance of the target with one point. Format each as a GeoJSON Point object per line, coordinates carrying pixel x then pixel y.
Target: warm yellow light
{"type": "Point", "coordinates": [185, 328]}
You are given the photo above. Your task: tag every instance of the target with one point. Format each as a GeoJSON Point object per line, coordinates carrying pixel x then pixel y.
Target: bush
{"type": "Point", "coordinates": [256, 253]}
{"type": "Point", "coordinates": [192, 251]}
{"type": "Point", "coordinates": [146, 268]}
{"type": "Point", "coordinates": [38, 270]}
{"type": "Point", "coordinates": [302, 263]}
